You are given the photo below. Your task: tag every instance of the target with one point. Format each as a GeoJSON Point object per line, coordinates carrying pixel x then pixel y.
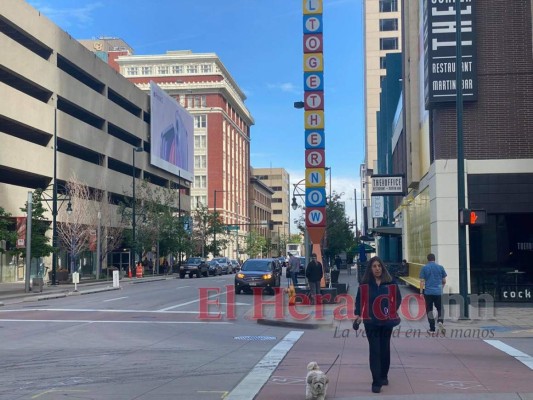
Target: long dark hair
{"type": "Point", "coordinates": [385, 275]}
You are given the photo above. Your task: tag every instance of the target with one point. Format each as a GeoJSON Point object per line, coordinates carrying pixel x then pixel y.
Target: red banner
{"type": "Point", "coordinates": [21, 232]}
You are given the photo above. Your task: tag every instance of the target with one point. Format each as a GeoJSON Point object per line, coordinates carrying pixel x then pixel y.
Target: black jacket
{"type": "Point", "coordinates": [314, 272]}
{"type": "Point", "coordinates": [378, 305]}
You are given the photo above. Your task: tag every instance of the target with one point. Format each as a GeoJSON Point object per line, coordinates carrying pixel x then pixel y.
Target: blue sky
{"type": "Point", "coordinates": [260, 43]}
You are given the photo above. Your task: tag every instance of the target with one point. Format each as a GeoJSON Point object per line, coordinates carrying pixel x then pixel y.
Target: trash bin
{"type": "Point", "coordinates": [335, 276]}
{"type": "Point", "coordinates": [37, 285]}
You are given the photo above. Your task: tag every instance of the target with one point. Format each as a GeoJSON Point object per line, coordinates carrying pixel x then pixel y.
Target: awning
{"type": "Point", "coordinates": [387, 231]}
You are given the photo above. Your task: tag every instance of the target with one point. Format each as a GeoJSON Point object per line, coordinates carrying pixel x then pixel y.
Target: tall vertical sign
{"type": "Point", "coordinates": [315, 157]}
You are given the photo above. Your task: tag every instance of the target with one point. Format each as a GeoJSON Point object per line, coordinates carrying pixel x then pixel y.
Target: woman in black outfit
{"type": "Point", "coordinates": [376, 305]}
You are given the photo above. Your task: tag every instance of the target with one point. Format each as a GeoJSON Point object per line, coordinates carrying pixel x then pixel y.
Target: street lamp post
{"type": "Point", "coordinates": [329, 169]}
{"type": "Point", "coordinates": [98, 246]}
{"type": "Point", "coordinates": [134, 243]}
{"type": "Point", "coordinates": [215, 251]}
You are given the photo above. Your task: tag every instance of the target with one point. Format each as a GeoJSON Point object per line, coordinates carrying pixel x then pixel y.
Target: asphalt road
{"type": "Point", "coordinates": [145, 341]}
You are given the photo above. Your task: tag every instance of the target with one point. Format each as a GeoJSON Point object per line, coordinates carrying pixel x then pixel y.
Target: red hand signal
{"type": "Point", "coordinates": [473, 217]}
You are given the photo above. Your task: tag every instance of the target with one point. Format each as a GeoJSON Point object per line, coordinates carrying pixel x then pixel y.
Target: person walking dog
{"type": "Point", "coordinates": [376, 305]}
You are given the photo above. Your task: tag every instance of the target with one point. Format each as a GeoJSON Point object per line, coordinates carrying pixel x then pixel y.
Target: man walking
{"type": "Point", "coordinates": [432, 279]}
{"type": "Point", "coordinates": [314, 274]}
{"type": "Point", "coordinates": [294, 267]}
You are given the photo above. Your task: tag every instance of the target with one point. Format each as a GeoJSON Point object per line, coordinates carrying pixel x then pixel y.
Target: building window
{"type": "Point", "coordinates": [200, 121]}
{"type": "Point", "coordinates": [388, 5]}
{"type": "Point", "coordinates": [277, 200]}
{"type": "Point", "coordinates": [388, 44]}
{"type": "Point", "coordinates": [382, 62]}
{"type": "Point", "coordinates": [132, 71]}
{"type": "Point", "coordinates": [200, 142]}
{"type": "Point", "coordinates": [277, 211]}
{"type": "Point", "coordinates": [277, 188]}
{"type": "Point", "coordinates": [162, 70]}
{"type": "Point", "coordinates": [200, 181]}
{"type": "Point", "coordinates": [177, 69]}
{"type": "Point", "coordinates": [389, 24]}
{"type": "Point", "coordinates": [192, 69]}
{"type": "Point", "coordinates": [200, 161]}
{"type": "Point", "coordinates": [206, 68]}
{"type": "Point", "coordinates": [199, 201]}
{"type": "Point", "coordinates": [146, 70]}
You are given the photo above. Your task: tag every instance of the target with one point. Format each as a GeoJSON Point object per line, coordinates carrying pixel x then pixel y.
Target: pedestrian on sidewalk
{"type": "Point", "coordinates": [294, 267]}
{"type": "Point", "coordinates": [314, 274]}
{"type": "Point", "coordinates": [376, 305]}
{"type": "Point", "coordinates": [432, 280]}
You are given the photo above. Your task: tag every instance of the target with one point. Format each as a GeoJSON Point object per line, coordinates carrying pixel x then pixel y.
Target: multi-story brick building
{"type": "Point", "coordinates": [202, 84]}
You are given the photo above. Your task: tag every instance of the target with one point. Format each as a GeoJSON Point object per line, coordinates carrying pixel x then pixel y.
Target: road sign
{"type": "Point", "coordinates": [232, 227]}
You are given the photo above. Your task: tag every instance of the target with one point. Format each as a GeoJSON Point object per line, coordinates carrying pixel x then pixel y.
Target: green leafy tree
{"type": "Point", "coordinates": [40, 246]}
{"type": "Point", "coordinates": [216, 225]}
{"type": "Point", "coordinates": [7, 233]}
{"type": "Point", "coordinates": [256, 244]}
{"type": "Point", "coordinates": [339, 237]}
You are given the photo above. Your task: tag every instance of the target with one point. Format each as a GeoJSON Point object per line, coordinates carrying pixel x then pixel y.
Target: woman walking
{"type": "Point", "coordinates": [376, 305]}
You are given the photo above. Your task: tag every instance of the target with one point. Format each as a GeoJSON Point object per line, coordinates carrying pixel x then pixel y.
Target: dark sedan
{"type": "Point", "coordinates": [258, 272]}
{"type": "Point", "coordinates": [214, 268]}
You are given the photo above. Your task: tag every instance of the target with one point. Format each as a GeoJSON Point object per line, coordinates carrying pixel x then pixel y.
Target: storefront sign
{"type": "Point", "coordinates": [387, 185]}
{"type": "Point", "coordinates": [440, 51]}
{"type": "Point", "coordinates": [522, 293]}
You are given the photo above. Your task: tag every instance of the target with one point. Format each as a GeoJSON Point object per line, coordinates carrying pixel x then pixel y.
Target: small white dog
{"type": "Point", "coordinates": [317, 383]}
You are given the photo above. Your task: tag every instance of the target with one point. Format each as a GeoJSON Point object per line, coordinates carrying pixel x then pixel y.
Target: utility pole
{"type": "Point", "coordinates": [463, 273]}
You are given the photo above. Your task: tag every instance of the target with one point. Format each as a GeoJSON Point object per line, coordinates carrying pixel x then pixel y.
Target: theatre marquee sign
{"type": "Point", "coordinates": [440, 46]}
{"type": "Point", "coordinates": [387, 185]}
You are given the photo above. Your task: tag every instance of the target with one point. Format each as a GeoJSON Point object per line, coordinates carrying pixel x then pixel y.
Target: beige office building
{"type": "Point", "coordinates": [52, 87]}
{"type": "Point", "coordinates": [279, 181]}
{"type": "Point", "coordinates": [382, 24]}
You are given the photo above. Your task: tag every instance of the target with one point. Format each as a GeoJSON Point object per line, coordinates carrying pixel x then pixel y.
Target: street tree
{"type": "Point", "coordinates": [256, 244]}
{"type": "Point", "coordinates": [338, 237]}
{"type": "Point", "coordinates": [7, 231]}
{"type": "Point", "coordinates": [40, 241]}
{"type": "Point", "coordinates": [74, 232]}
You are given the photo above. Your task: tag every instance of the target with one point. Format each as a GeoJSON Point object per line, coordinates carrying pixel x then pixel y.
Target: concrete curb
{"type": "Point", "coordinates": [289, 324]}
{"type": "Point", "coordinates": [45, 297]}
{"type": "Point", "coordinates": [98, 290]}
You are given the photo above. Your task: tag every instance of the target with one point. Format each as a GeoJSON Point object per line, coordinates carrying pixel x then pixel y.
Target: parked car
{"type": "Point", "coordinates": [225, 264]}
{"type": "Point", "coordinates": [236, 265]}
{"type": "Point", "coordinates": [214, 267]}
{"type": "Point", "coordinates": [194, 266]}
{"type": "Point", "coordinates": [258, 272]}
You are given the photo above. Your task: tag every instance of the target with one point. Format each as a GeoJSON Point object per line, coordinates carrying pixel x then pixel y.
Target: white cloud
{"type": "Point", "coordinates": [286, 87]}
{"type": "Point", "coordinates": [65, 17]}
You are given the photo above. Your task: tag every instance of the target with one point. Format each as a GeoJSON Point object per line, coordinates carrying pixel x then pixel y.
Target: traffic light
{"type": "Point", "coordinates": [271, 225]}
{"type": "Point", "coordinates": [472, 217]}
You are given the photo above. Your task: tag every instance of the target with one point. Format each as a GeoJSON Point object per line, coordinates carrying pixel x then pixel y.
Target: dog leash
{"type": "Point", "coordinates": [334, 361]}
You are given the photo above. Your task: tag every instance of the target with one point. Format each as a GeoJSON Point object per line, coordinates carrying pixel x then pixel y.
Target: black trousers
{"type": "Point", "coordinates": [379, 348]}
{"type": "Point", "coordinates": [434, 300]}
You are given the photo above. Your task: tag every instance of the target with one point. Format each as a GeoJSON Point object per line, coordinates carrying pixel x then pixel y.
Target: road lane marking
{"type": "Point", "coordinates": [118, 298]}
{"type": "Point", "coordinates": [114, 322]}
{"type": "Point", "coordinates": [253, 382]}
{"type": "Point", "coordinates": [192, 301]}
{"type": "Point", "coordinates": [81, 310]}
{"type": "Point", "coordinates": [524, 358]}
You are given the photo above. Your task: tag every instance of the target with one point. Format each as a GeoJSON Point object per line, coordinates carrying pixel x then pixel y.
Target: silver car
{"type": "Point", "coordinates": [225, 264]}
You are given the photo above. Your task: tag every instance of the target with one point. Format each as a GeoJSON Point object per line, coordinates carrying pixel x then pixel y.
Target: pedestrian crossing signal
{"type": "Point", "coordinates": [473, 217]}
